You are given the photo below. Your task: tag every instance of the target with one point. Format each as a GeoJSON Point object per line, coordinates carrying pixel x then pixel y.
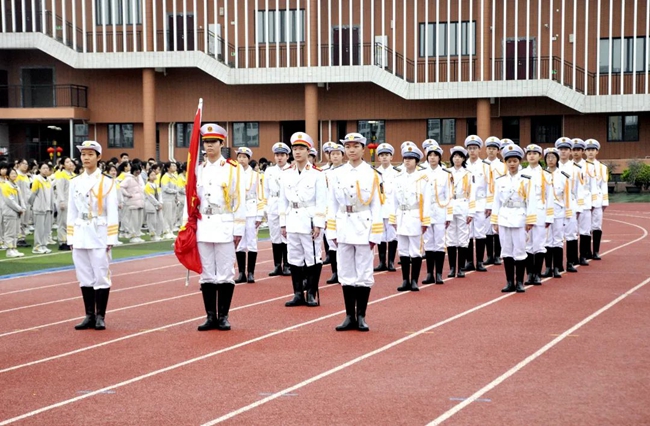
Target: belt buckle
{"type": "Point", "coordinates": [86, 216]}
{"type": "Point", "coordinates": [349, 209]}
{"type": "Point", "coordinates": [209, 211]}
{"type": "Point", "coordinates": [295, 205]}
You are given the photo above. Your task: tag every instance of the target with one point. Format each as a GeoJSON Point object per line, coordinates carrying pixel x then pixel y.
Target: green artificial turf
{"type": "Point", "coordinates": [624, 197]}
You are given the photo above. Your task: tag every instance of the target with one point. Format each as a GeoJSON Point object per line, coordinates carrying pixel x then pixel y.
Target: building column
{"type": "Point", "coordinates": [148, 38]}
{"type": "Point", "coordinates": [487, 35]}
{"type": "Point", "coordinates": [313, 31]}
{"type": "Point", "coordinates": [149, 112]}
{"type": "Point", "coordinates": [483, 118]}
{"type": "Point", "coordinates": [311, 111]}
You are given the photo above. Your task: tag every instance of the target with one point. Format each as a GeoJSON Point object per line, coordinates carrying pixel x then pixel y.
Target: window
{"type": "Point", "coordinates": [373, 130]}
{"type": "Point", "coordinates": [437, 43]}
{"type": "Point", "coordinates": [471, 127]}
{"type": "Point", "coordinates": [623, 128]}
{"type": "Point", "coordinates": [546, 129]}
{"type": "Point", "coordinates": [120, 8]}
{"type": "Point", "coordinates": [629, 46]}
{"type": "Point", "coordinates": [294, 27]}
{"type": "Point", "coordinates": [246, 134]}
{"type": "Point", "coordinates": [443, 130]}
{"type": "Point", "coordinates": [183, 134]}
{"type": "Point", "coordinates": [120, 135]}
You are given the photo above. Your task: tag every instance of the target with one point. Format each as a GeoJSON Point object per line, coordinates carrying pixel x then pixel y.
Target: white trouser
{"type": "Point", "coordinates": [62, 226]}
{"type": "Point", "coordinates": [42, 228]}
{"type": "Point", "coordinates": [355, 264]}
{"type": "Point", "coordinates": [555, 234]}
{"type": "Point", "coordinates": [434, 238]}
{"type": "Point", "coordinates": [92, 267]}
{"type": "Point", "coordinates": [274, 229]}
{"type": "Point", "coordinates": [479, 226]}
{"type": "Point", "coordinates": [389, 233]}
{"type": "Point", "coordinates": [571, 228]}
{"type": "Point", "coordinates": [513, 242]}
{"type": "Point", "coordinates": [248, 241]}
{"type": "Point", "coordinates": [169, 210]}
{"type": "Point", "coordinates": [300, 249]}
{"type": "Point", "coordinates": [584, 222]}
{"type": "Point", "coordinates": [597, 219]}
{"type": "Point", "coordinates": [409, 245]}
{"type": "Point", "coordinates": [218, 262]}
{"type": "Point", "coordinates": [458, 232]}
{"type": "Point", "coordinates": [536, 239]}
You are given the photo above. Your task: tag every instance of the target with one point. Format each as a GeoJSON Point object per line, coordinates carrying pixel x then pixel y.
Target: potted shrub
{"type": "Point", "coordinates": [631, 176]}
{"type": "Point", "coordinates": [643, 178]}
{"type": "Point", "coordinates": [611, 168]}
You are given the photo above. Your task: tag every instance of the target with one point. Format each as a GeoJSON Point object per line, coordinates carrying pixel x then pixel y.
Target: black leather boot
{"type": "Point", "coordinates": [88, 294]}
{"type": "Point", "coordinates": [362, 296]}
{"type": "Point", "coordinates": [392, 250]}
{"type": "Point", "coordinates": [440, 262]}
{"type": "Point", "coordinates": [588, 253]}
{"type": "Point", "coordinates": [335, 268]}
{"type": "Point", "coordinates": [416, 265]}
{"type": "Point", "coordinates": [101, 301]}
{"type": "Point", "coordinates": [480, 249]}
{"type": "Point", "coordinates": [277, 260]}
{"type": "Point", "coordinates": [430, 265]}
{"type": "Point", "coordinates": [241, 267]}
{"type": "Point", "coordinates": [530, 268]}
{"type": "Point", "coordinates": [571, 255]}
{"type": "Point", "coordinates": [452, 251]}
{"type": "Point", "coordinates": [313, 278]}
{"type": "Point", "coordinates": [462, 253]}
{"type": "Point", "coordinates": [381, 253]}
{"type": "Point", "coordinates": [252, 260]}
{"type": "Point", "coordinates": [467, 263]}
{"type": "Point", "coordinates": [327, 259]}
{"type": "Point", "coordinates": [209, 292]}
{"type": "Point", "coordinates": [286, 268]}
{"type": "Point", "coordinates": [350, 321]}
{"type": "Point", "coordinates": [549, 263]}
{"type": "Point", "coordinates": [539, 263]}
{"type": "Point", "coordinates": [225, 298]}
{"type": "Point", "coordinates": [557, 261]}
{"type": "Point", "coordinates": [520, 270]}
{"type": "Point", "coordinates": [489, 249]}
{"type": "Point", "coordinates": [497, 250]}
{"type": "Point", "coordinates": [584, 250]}
{"type": "Point", "coordinates": [598, 234]}
{"type": "Point", "coordinates": [406, 270]}
{"type": "Point", "coordinates": [297, 275]}
{"type": "Point", "coordinates": [509, 266]}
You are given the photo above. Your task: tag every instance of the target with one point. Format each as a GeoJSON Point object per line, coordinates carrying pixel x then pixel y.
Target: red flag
{"type": "Point", "coordinates": [185, 247]}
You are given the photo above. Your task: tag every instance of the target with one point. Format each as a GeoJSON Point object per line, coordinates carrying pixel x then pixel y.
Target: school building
{"type": "Point", "coordinates": [129, 73]}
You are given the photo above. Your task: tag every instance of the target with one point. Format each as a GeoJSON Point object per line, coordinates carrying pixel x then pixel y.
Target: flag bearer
{"type": "Point", "coordinates": [599, 195]}
{"type": "Point", "coordinates": [92, 232]}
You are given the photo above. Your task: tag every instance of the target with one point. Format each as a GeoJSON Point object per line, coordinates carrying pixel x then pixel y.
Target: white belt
{"type": "Point", "coordinates": [301, 205]}
{"type": "Point", "coordinates": [88, 216]}
{"type": "Point", "coordinates": [251, 197]}
{"type": "Point", "coordinates": [515, 204]}
{"type": "Point", "coordinates": [213, 209]}
{"type": "Point", "coordinates": [274, 194]}
{"type": "Point", "coordinates": [353, 209]}
{"type": "Point", "coordinates": [406, 207]}
{"type": "Point", "coordinates": [457, 197]}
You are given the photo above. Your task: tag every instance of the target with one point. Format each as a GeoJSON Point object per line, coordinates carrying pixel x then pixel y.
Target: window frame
{"type": "Point", "coordinates": [99, 15]}
{"type": "Point", "coordinates": [187, 131]}
{"type": "Point", "coordinates": [630, 45]}
{"type": "Point", "coordinates": [296, 37]}
{"type": "Point", "coordinates": [122, 144]}
{"type": "Point", "coordinates": [381, 132]}
{"type": "Point", "coordinates": [441, 122]}
{"type": "Point", "coordinates": [623, 127]}
{"type": "Point", "coordinates": [545, 120]}
{"type": "Point", "coordinates": [435, 44]}
{"type": "Point", "coordinates": [237, 144]}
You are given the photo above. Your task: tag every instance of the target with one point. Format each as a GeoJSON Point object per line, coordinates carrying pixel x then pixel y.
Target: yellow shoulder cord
{"type": "Point", "coordinates": [251, 182]}
{"type": "Point", "coordinates": [100, 198]}
{"type": "Point", "coordinates": [491, 180]}
{"type": "Point", "coordinates": [375, 183]}
{"type": "Point", "coordinates": [466, 189]}
{"type": "Point", "coordinates": [260, 188]}
{"type": "Point", "coordinates": [438, 196]}
{"type": "Point", "coordinates": [567, 200]}
{"type": "Point", "coordinates": [543, 187]}
{"type": "Point", "coordinates": [587, 169]}
{"type": "Point", "coordinates": [226, 192]}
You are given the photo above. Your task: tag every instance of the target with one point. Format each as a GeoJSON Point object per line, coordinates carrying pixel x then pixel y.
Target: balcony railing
{"type": "Point", "coordinates": [44, 96]}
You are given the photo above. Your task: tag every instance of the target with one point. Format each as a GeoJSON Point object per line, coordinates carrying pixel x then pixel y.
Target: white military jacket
{"type": "Point", "coordinates": [303, 199]}
{"type": "Point", "coordinates": [480, 170]}
{"type": "Point", "coordinates": [463, 192]}
{"type": "Point", "coordinates": [253, 183]}
{"type": "Point", "coordinates": [354, 205]}
{"type": "Point", "coordinates": [92, 211]}
{"type": "Point", "coordinates": [388, 176]}
{"type": "Point", "coordinates": [222, 201]}
{"type": "Point", "coordinates": [514, 202]}
{"type": "Point", "coordinates": [563, 204]}
{"type": "Point", "coordinates": [574, 171]}
{"type": "Point", "coordinates": [585, 186]}
{"type": "Point", "coordinates": [599, 178]}
{"type": "Point", "coordinates": [441, 195]}
{"type": "Point", "coordinates": [272, 188]}
{"type": "Point", "coordinates": [542, 192]}
{"type": "Point", "coordinates": [497, 169]}
{"type": "Point", "coordinates": [411, 203]}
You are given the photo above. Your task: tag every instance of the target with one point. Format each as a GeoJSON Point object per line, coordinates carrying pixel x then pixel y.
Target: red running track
{"type": "Point", "coordinates": [573, 351]}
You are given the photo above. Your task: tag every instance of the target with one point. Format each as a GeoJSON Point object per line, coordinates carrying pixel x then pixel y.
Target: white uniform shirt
{"type": "Point", "coordinates": [92, 211]}
{"type": "Point", "coordinates": [563, 204]}
{"type": "Point", "coordinates": [222, 201]}
{"type": "Point", "coordinates": [497, 169]}
{"type": "Point", "coordinates": [480, 170]}
{"type": "Point", "coordinates": [514, 204]}
{"type": "Point", "coordinates": [272, 188]}
{"type": "Point", "coordinates": [441, 195]}
{"type": "Point", "coordinates": [575, 172]}
{"type": "Point", "coordinates": [354, 205]}
{"type": "Point", "coordinates": [542, 192]}
{"type": "Point", "coordinates": [599, 177]}
{"type": "Point", "coordinates": [586, 183]}
{"type": "Point", "coordinates": [463, 192]}
{"type": "Point", "coordinates": [412, 203]}
{"type": "Point", "coordinates": [303, 199]}
{"type": "Point", "coordinates": [254, 193]}
{"type": "Point", "coordinates": [388, 176]}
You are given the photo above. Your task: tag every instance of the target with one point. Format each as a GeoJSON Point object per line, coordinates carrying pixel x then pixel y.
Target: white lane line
{"type": "Point", "coordinates": [266, 336]}
{"type": "Point", "coordinates": [118, 290]}
{"type": "Point", "coordinates": [496, 382]}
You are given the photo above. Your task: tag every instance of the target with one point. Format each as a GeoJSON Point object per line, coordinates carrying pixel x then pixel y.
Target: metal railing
{"type": "Point", "coordinates": [43, 96]}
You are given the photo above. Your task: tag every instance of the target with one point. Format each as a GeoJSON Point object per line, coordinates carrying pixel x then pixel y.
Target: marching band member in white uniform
{"type": "Point", "coordinates": [336, 154]}
{"type": "Point", "coordinates": [599, 196]}
{"type": "Point", "coordinates": [480, 170]}
{"type": "Point", "coordinates": [441, 213]}
{"type": "Point", "coordinates": [355, 225]}
{"type": "Point", "coordinates": [272, 176]}
{"type": "Point", "coordinates": [513, 214]}
{"type": "Point", "coordinates": [497, 169]}
{"type": "Point", "coordinates": [302, 206]}
{"type": "Point", "coordinates": [92, 232]}
{"type": "Point", "coordinates": [388, 243]}
{"type": "Point", "coordinates": [587, 188]}
{"type": "Point", "coordinates": [222, 224]}
{"type": "Point", "coordinates": [564, 145]}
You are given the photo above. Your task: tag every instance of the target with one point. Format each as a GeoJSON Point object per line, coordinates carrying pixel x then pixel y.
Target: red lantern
{"type": "Point", "coordinates": [372, 146]}
{"type": "Point", "coordinates": [59, 150]}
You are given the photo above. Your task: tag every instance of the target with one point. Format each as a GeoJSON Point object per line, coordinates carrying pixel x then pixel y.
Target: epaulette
{"type": "Point", "coordinates": [565, 174]}
{"type": "Point", "coordinates": [107, 175]}
{"type": "Point", "coordinates": [424, 177]}
{"type": "Point", "coordinates": [377, 171]}
{"type": "Point", "coordinates": [487, 162]}
{"type": "Point", "coordinates": [524, 176]}
{"type": "Point", "coordinates": [334, 168]}
{"type": "Point", "coordinates": [421, 167]}
{"type": "Point", "coordinates": [577, 165]}
{"type": "Point", "coordinates": [447, 170]}
{"type": "Point", "coordinates": [397, 168]}
{"type": "Point", "coordinates": [547, 171]}
{"type": "Point", "coordinates": [589, 162]}
{"type": "Point", "coordinates": [232, 162]}
{"type": "Point", "coordinates": [502, 176]}
{"type": "Point", "coordinates": [317, 168]}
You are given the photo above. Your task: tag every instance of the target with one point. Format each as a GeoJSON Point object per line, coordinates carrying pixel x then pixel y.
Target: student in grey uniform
{"type": "Point", "coordinates": [4, 169]}
{"type": "Point", "coordinates": [62, 193]}
{"type": "Point", "coordinates": [24, 186]}
{"type": "Point", "coordinates": [169, 190]}
{"type": "Point", "coordinates": [12, 208]}
{"type": "Point", "coordinates": [153, 206]}
{"type": "Point", "coordinates": [42, 201]}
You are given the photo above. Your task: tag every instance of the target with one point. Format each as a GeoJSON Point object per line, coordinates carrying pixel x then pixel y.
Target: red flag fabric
{"type": "Point", "coordinates": [186, 247]}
